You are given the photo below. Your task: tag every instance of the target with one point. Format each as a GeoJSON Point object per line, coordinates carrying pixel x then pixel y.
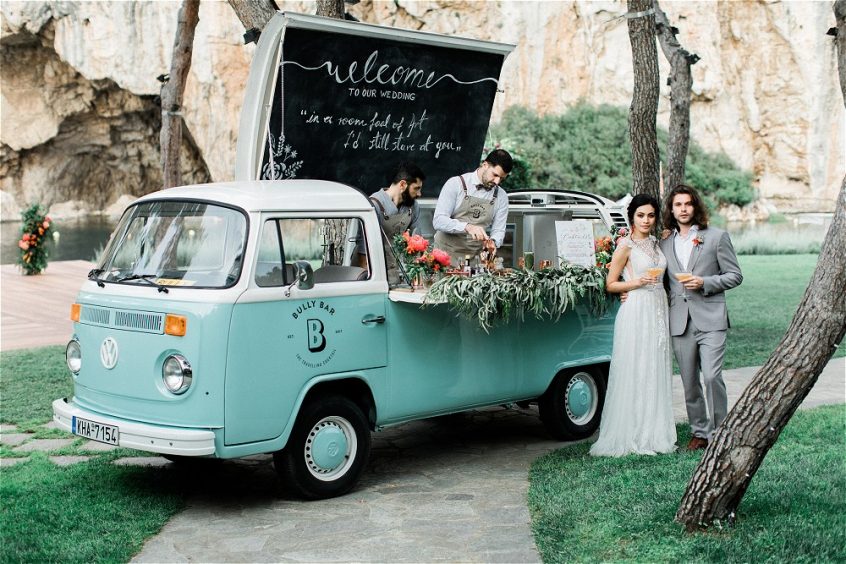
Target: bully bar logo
{"type": "Point", "coordinates": [477, 210]}
{"type": "Point", "coordinates": [320, 353]}
{"type": "Point", "coordinates": [316, 339]}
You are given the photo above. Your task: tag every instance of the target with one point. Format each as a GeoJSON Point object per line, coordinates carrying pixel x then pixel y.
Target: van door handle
{"type": "Point", "coordinates": [375, 319]}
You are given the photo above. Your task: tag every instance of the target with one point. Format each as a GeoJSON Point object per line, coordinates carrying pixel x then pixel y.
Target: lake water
{"type": "Point", "coordinates": [83, 238]}
{"type": "Point", "coordinates": [79, 239]}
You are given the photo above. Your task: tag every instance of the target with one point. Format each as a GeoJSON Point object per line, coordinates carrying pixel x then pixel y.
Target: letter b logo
{"type": "Point", "coordinates": [316, 340]}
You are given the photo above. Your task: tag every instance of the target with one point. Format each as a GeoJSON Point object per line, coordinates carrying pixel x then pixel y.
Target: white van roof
{"type": "Point", "coordinates": [271, 195]}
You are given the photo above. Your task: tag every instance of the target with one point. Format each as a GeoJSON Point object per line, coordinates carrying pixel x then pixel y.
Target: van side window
{"type": "Point", "coordinates": [270, 267]}
{"type": "Point", "coordinates": [329, 244]}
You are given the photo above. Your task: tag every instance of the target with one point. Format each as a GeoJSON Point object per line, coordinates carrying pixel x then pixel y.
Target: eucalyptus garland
{"type": "Point", "coordinates": [548, 294]}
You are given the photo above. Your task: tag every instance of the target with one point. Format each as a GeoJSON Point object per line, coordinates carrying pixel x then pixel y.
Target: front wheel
{"type": "Point", "coordinates": [327, 450]}
{"type": "Point", "coordinates": [572, 406]}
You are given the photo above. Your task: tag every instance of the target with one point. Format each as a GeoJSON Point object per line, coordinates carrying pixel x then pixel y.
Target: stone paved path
{"type": "Point", "coordinates": [450, 489]}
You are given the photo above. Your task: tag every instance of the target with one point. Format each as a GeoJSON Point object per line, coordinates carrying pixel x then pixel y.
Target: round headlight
{"type": "Point", "coordinates": [176, 374]}
{"type": "Point", "coordinates": [73, 356]}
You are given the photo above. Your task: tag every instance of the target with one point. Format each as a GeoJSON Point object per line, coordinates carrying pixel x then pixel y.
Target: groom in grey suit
{"type": "Point", "coordinates": [701, 266]}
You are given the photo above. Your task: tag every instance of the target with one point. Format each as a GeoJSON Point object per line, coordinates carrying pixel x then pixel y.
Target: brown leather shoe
{"type": "Point", "coordinates": [697, 443]}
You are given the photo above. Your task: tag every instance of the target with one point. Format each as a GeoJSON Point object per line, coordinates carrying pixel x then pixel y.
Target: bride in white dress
{"type": "Point", "coordinates": [638, 413]}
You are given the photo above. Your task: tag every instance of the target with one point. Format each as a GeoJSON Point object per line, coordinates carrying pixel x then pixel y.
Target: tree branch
{"type": "Point", "coordinates": [172, 92]}
{"type": "Point", "coordinates": [681, 84]}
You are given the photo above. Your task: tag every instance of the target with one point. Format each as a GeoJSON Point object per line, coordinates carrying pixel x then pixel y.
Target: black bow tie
{"type": "Point", "coordinates": [483, 187]}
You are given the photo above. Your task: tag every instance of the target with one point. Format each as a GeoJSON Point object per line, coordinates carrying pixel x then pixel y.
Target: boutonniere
{"type": "Point", "coordinates": [698, 240]}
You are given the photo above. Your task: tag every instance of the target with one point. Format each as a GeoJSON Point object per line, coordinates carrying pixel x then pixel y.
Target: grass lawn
{"type": "Point", "coordinates": [761, 308]}
{"type": "Point", "coordinates": [602, 509]}
{"type": "Point", "coordinates": [89, 512]}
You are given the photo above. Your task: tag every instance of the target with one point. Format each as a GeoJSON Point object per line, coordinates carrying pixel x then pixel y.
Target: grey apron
{"type": "Point", "coordinates": [472, 210]}
{"type": "Point", "coordinates": [392, 225]}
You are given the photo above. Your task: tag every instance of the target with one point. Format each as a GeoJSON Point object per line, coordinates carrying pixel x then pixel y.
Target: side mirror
{"type": "Point", "coordinates": [303, 275]}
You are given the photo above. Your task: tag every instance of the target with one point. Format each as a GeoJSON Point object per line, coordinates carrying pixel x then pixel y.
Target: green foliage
{"type": "Point", "coordinates": [35, 230]}
{"type": "Point", "coordinates": [547, 294]}
{"type": "Point", "coordinates": [587, 148]}
{"type": "Point", "coordinates": [601, 509]}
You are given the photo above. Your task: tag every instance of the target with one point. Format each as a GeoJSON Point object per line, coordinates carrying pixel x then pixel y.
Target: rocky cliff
{"type": "Point", "coordinates": [79, 91]}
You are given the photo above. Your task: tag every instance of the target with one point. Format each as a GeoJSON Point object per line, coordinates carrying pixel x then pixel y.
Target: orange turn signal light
{"type": "Point", "coordinates": [75, 309]}
{"type": "Point", "coordinates": [175, 325]}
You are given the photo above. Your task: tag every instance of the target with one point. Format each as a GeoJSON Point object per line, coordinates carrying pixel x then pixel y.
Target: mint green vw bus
{"type": "Point", "coordinates": [231, 319]}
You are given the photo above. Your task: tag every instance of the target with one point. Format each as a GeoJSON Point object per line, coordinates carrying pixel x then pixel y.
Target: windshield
{"type": "Point", "coordinates": [169, 243]}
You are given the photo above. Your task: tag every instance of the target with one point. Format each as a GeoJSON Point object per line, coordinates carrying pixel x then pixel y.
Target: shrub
{"type": "Point", "coordinates": [34, 231]}
{"type": "Point", "coordinates": [587, 148]}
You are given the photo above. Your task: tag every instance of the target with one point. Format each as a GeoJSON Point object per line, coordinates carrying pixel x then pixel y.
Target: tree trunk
{"type": "Point", "coordinates": [254, 14]}
{"type": "Point", "coordinates": [172, 91]}
{"type": "Point", "coordinates": [331, 8]}
{"type": "Point", "coordinates": [336, 229]}
{"type": "Point", "coordinates": [644, 108]}
{"type": "Point", "coordinates": [840, 41]}
{"type": "Point", "coordinates": [681, 82]}
{"type": "Point", "coordinates": [763, 410]}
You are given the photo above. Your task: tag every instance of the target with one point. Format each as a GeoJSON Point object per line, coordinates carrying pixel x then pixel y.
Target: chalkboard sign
{"type": "Point", "coordinates": [348, 105]}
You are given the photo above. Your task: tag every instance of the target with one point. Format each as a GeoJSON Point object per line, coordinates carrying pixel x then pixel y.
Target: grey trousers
{"type": "Point", "coordinates": [705, 398]}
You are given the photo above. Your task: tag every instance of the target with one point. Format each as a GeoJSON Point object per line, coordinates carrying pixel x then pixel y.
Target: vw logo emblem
{"type": "Point", "coordinates": [109, 353]}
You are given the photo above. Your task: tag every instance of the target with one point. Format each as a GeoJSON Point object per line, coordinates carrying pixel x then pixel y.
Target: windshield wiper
{"type": "Point", "coordinates": [94, 274]}
{"type": "Point", "coordinates": [144, 278]}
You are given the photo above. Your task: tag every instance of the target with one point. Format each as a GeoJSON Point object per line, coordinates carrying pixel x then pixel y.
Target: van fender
{"type": "Point", "coordinates": [357, 385]}
{"type": "Point", "coordinates": [353, 385]}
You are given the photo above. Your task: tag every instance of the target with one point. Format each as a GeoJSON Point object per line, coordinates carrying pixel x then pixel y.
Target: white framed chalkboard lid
{"type": "Point", "coordinates": [344, 101]}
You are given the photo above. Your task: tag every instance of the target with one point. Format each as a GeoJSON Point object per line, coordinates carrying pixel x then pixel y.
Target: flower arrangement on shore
{"type": "Point", "coordinates": [34, 230]}
{"type": "Point", "coordinates": [418, 260]}
{"type": "Point", "coordinates": [546, 294]}
{"type": "Point", "coordinates": [604, 247]}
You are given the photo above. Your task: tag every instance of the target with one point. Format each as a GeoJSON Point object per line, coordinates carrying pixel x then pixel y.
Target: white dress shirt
{"type": "Point", "coordinates": [683, 246]}
{"type": "Point", "coordinates": [451, 197]}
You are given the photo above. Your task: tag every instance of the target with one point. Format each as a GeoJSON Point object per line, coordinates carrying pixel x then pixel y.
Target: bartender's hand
{"type": "Point", "coordinates": [477, 232]}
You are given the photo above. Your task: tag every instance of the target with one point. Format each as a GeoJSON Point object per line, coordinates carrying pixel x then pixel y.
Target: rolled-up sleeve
{"type": "Point", "coordinates": [500, 216]}
{"type": "Point", "coordinates": [442, 220]}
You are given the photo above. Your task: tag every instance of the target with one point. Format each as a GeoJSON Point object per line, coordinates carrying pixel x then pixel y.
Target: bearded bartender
{"type": "Point", "coordinates": [469, 205]}
{"type": "Point", "coordinates": [398, 211]}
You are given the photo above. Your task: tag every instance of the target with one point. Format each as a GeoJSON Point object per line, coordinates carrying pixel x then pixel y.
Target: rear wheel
{"type": "Point", "coordinates": [572, 406]}
{"type": "Point", "coordinates": [327, 450]}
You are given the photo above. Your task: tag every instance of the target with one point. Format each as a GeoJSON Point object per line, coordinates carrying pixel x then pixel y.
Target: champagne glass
{"type": "Point", "coordinates": [682, 277]}
{"type": "Point", "coordinates": [654, 272]}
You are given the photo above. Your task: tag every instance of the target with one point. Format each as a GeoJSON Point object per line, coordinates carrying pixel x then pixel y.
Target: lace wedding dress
{"type": "Point", "coordinates": [638, 413]}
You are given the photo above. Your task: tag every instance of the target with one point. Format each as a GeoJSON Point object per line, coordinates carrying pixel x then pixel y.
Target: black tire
{"type": "Point", "coordinates": [572, 406]}
{"type": "Point", "coordinates": [328, 449]}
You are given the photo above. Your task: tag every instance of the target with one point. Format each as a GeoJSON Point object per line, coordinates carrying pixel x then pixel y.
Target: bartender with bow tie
{"type": "Point", "coordinates": [470, 204]}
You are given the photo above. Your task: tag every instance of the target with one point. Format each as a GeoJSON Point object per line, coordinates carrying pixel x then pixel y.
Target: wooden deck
{"type": "Point", "coordinates": [35, 310]}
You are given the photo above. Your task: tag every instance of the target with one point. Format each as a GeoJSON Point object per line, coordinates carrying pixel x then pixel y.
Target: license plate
{"type": "Point", "coordinates": [99, 432]}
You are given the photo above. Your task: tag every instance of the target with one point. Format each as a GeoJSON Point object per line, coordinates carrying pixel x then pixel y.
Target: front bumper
{"type": "Point", "coordinates": [141, 436]}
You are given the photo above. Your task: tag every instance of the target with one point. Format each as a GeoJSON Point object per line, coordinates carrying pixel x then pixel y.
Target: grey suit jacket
{"type": "Point", "coordinates": [715, 262]}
